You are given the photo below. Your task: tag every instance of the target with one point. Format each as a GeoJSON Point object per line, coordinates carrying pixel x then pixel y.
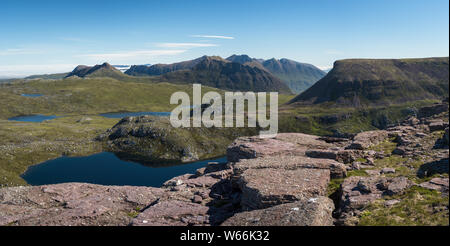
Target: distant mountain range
{"type": "Point", "coordinates": [297, 76]}
{"type": "Point", "coordinates": [223, 74]}
{"type": "Point", "coordinates": [210, 71]}
{"type": "Point", "coordinates": [359, 82]}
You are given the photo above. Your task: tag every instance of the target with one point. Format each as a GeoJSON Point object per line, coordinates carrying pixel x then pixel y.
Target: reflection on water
{"type": "Point", "coordinates": [31, 95]}
{"type": "Point", "coordinates": [33, 118]}
{"type": "Point", "coordinates": [128, 114]}
{"type": "Point", "coordinates": [107, 169]}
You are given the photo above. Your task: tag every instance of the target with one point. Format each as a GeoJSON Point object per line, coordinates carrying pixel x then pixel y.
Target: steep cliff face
{"type": "Point", "coordinates": [297, 76]}
{"type": "Point", "coordinates": [380, 82]}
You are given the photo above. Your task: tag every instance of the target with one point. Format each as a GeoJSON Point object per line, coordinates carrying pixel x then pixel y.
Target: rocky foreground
{"type": "Point", "coordinates": [293, 179]}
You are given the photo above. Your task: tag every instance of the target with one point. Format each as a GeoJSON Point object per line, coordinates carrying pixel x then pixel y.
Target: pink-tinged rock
{"type": "Point", "coordinates": [348, 156]}
{"type": "Point", "coordinates": [439, 184]}
{"type": "Point", "coordinates": [282, 144]}
{"type": "Point", "coordinates": [291, 162]}
{"type": "Point", "coordinates": [202, 181]}
{"type": "Point", "coordinates": [173, 213]}
{"type": "Point", "coordinates": [358, 192]}
{"type": "Point", "coordinates": [315, 211]}
{"type": "Point", "coordinates": [387, 170]}
{"type": "Point", "coordinates": [266, 187]}
{"type": "Point", "coordinates": [323, 154]}
{"type": "Point", "coordinates": [367, 139]}
{"type": "Point", "coordinates": [73, 204]}
{"type": "Point", "coordinates": [438, 126]}
{"type": "Point", "coordinates": [253, 147]}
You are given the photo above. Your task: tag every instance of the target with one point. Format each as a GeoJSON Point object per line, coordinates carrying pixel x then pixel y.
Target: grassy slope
{"type": "Point", "coordinates": [295, 118]}
{"type": "Point", "coordinates": [87, 96]}
{"type": "Point", "coordinates": [418, 206]}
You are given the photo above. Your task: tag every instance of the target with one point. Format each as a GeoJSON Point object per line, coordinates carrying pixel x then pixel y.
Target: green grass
{"type": "Point", "coordinates": [335, 184]}
{"type": "Point", "coordinates": [417, 207]}
{"type": "Point", "coordinates": [386, 146]}
{"type": "Point", "coordinates": [87, 96]}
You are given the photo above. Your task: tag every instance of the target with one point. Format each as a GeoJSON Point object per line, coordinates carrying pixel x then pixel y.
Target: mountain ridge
{"type": "Point", "coordinates": [223, 74]}
{"type": "Point", "coordinates": [103, 70]}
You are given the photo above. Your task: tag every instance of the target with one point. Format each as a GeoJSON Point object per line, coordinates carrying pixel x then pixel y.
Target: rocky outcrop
{"type": "Point", "coordinates": [149, 138]}
{"type": "Point", "coordinates": [282, 144]}
{"type": "Point", "coordinates": [270, 172]}
{"type": "Point", "coordinates": [433, 109]}
{"type": "Point", "coordinates": [365, 140]}
{"type": "Point", "coordinates": [358, 192]}
{"type": "Point", "coordinates": [439, 184]}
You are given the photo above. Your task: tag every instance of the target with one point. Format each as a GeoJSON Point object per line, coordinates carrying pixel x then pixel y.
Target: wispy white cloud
{"type": "Point", "coordinates": [325, 68]}
{"type": "Point", "coordinates": [10, 52]}
{"type": "Point", "coordinates": [185, 45]}
{"type": "Point", "coordinates": [212, 36]}
{"type": "Point", "coordinates": [139, 54]}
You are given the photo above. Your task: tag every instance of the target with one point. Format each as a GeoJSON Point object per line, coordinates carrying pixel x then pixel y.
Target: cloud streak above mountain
{"type": "Point", "coordinates": [17, 71]}
{"type": "Point", "coordinates": [185, 45]}
{"type": "Point", "coordinates": [135, 55]}
{"type": "Point", "coordinates": [212, 36]}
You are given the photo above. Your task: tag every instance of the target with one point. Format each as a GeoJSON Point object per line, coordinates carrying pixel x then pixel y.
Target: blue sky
{"type": "Point", "coordinates": [53, 36]}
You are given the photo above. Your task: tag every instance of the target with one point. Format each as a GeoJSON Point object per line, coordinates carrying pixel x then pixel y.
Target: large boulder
{"type": "Point", "coordinates": [315, 211]}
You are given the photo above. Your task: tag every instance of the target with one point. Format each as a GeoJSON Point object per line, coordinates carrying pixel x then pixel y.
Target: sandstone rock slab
{"type": "Point", "coordinates": [315, 211]}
